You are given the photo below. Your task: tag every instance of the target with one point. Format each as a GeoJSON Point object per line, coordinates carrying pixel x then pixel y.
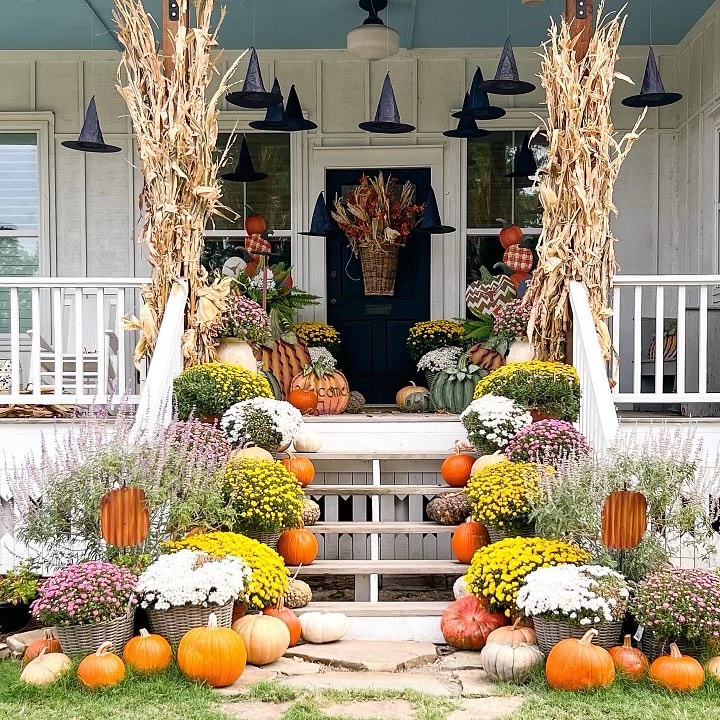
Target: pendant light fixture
{"type": "Point", "coordinates": [466, 127]}
{"type": "Point", "coordinates": [91, 137]}
{"type": "Point", "coordinates": [321, 224]}
{"type": "Point", "coordinates": [373, 40]}
{"type": "Point", "coordinates": [387, 116]}
{"type": "Point", "coordinates": [245, 170]}
{"type": "Point", "coordinates": [430, 222]}
{"type": "Point", "coordinates": [478, 103]}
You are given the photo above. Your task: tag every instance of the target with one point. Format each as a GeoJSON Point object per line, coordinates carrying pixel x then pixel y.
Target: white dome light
{"type": "Point", "coordinates": [373, 42]}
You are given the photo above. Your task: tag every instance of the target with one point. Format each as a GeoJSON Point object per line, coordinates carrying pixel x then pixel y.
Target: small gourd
{"type": "Point", "coordinates": [287, 616]}
{"type": "Point", "coordinates": [308, 441]}
{"type": "Point", "coordinates": [320, 627]}
{"type": "Point", "coordinates": [46, 668]}
{"type": "Point", "coordinates": [49, 642]}
{"type": "Point", "coordinates": [305, 401]}
{"type": "Point", "coordinates": [266, 638]}
{"type": "Point", "coordinates": [628, 660]}
{"type": "Point", "coordinates": [460, 588]}
{"type": "Point", "coordinates": [411, 389]}
{"type": "Point", "coordinates": [102, 669]}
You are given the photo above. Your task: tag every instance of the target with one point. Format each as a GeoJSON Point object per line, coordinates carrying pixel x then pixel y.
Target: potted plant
{"type": "Point", "coordinates": [265, 496]}
{"type": "Point", "coordinates": [319, 334]}
{"type": "Point", "coordinates": [209, 389]}
{"type": "Point", "coordinates": [437, 361]}
{"type": "Point", "coordinates": [18, 588]}
{"type": "Point", "coordinates": [180, 591]}
{"type": "Point", "coordinates": [89, 603]}
{"type": "Point", "coordinates": [510, 328]}
{"type": "Point", "coordinates": [565, 600]}
{"type": "Point", "coordinates": [243, 325]}
{"type": "Point", "coordinates": [547, 389]}
{"type": "Point", "coordinates": [432, 335]}
{"type": "Point", "coordinates": [269, 424]}
{"type": "Point", "coordinates": [548, 442]}
{"type": "Point", "coordinates": [491, 421]}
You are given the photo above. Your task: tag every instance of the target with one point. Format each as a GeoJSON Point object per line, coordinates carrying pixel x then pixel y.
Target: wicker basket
{"type": "Point", "coordinates": [550, 633]}
{"type": "Point", "coordinates": [497, 534]}
{"type": "Point", "coordinates": [86, 639]}
{"type": "Point", "coordinates": [654, 647]}
{"type": "Point", "coordinates": [378, 269]}
{"type": "Point", "coordinates": [269, 539]}
{"type": "Point", "coordinates": [430, 376]}
{"type": "Point", "coordinates": [172, 624]}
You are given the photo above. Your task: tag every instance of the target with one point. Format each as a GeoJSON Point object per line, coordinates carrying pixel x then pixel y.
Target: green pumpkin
{"type": "Point", "coordinates": [417, 402]}
{"type": "Point", "coordinates": [274, 384]}
{"type": "Point", "coordinates": [452, 390]}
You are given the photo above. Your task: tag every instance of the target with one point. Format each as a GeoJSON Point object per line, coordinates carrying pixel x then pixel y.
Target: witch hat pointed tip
{"type": "Point", "coordinates": [321, 224]}
{"type": "Point", "coordinates": [430, 222]}
{"type": "Point", "coordinates": [387, 115]}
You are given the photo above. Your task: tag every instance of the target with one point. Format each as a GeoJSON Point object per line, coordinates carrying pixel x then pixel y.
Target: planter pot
{"type": "Point", "coordinates": [237, 352]}
{"type": "Point", "coordinates": [172, 624]}
{"type": "Point", "coordinates": [267, 538]}
{"type": "Point", "coordinates": [210, 419]}
{"type": "Point", "coordinates": [239, 611]}
{"type": "Point", "coordinates": [13, 617]}
{"type": "Point", "coordinates": [654, 646]}
{"type": "Point", "coordinates": [86, 639]}
{"type": "Point", "coordinates": [551, 632]}
{"type": "Point", "coordinates": [538, 415]}
{"type": "Point", "coordinates": [497, 534]}
{"type": "Point", "coordinates": [430, 376]}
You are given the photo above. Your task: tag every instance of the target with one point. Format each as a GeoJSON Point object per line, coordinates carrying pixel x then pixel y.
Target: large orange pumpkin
{"type": "Point", "coordinates": [213, 655]}
{"type": "Point", "coordinates": [148, 654]}
{"type": "Point", "coordinates": [628, 660]}
{"type": "Point", "coordinates": [467, 539]}
{"type": "Point", "coordinates": [301, 467]}
{"type": "Point", "coordinates": [305, 401]}
{"type": "Point", "coordinates": [266, 638]}
{"type": "Point", "coordinates": [102, 669]}
{"type": "Point", "coordinates": [624, 519]}
{"type": "Point", "coordinates": [677, 672]}
{"type": "Point", "coordinates": [288, 617]}
{"type": "Point", "coordinates": [285, 360]}
{"type": "Point", "coordinates": [467, 622]}
{"type": "Point", "coordinates": [255, 224]}
{"type": "Point", "coordinates": [124, 517]}
{"type": "Point", "coordinates": [579, 665]}
{"type": "Point", "coordinates": [49, 642]}
{"type": "Point", "coordinates": [456, 469]}
{"type": "Point", "coordinates": [510, 234]}
{"type": "Point", "coordinates": [298, 546]}
{"type": "Point", "coordinates": [332, 390]}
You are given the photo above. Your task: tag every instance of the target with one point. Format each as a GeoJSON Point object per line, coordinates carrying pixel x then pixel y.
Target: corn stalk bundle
{"type": "Point", "coordinates": [576, 188]}
{"type": "Point", "coordinates": [176, 131]}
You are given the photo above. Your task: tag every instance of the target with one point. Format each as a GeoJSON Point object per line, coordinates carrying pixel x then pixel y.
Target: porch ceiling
{"type": "Point", "coordinates": [297, 24]}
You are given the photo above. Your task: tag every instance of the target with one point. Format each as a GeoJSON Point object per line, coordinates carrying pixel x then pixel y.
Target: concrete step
{"type": "Point", "coordinates": [385, 528]}
{"type": "Point", "coordinates": [370, 455]}
{"type": "Point", "coordinates": [381, 567]}
{"type": "Point", "coordinates": [378, 609]}
{"type": "Point", "coordinates": [401, 490]}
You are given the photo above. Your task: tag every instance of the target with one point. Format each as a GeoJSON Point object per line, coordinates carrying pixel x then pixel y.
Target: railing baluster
{"type": "Point", "coordinates": [680, 362]}
{"type": "Point", "coordinates": [102, 389]}
{"type": "Point", "coordinates": [79, 351]}
{"type": "Point", "coordinates": [36, 369]}
{"type": "Point", "coordinates": [659, 342]}
{"type": "Point", "coordinates": [703, 340]}
{"type": "Point", "coordinates": [14, 342]}
{"type": "Point", "coordinates": [615, 357]}
{"type": "Point", "coordinates": [58, 300]}
{"type": "Point", "coordinates": [122, 388]}
{"type": "Point", "coordinates": [637, 340]}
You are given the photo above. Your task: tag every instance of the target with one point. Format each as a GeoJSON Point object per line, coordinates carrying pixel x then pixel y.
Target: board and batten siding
{"type": "Point", "coordinates": [96, 217]}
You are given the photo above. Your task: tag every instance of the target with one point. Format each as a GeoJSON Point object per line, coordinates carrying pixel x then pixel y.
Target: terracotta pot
{"type": "Point", "coordinates": [239, 611]}
{"type": "Point", "coordinates": [210, 419]}
{"type": "Point", "coordinates": [538, 415]}
{"type": "Point", "coordinates": [237, 352]}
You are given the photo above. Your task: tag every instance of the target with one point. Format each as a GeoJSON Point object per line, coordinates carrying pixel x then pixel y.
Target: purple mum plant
{"type": "Point", "coordinates": [548, 442]}
{"type": "Point", "coordinates": [244, 320]}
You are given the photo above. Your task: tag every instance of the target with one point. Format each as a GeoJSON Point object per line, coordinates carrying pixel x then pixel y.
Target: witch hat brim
{"type": "Point", "coordinates": [321, 224]}
{"type": "Point", "coordinates": [468, 132]}
{"type": "Point", "coordinates": [477, 104]}
{"type": "Point", "coordinates": [294, 119]}
{"type": "Point", "coordinates": [254, 95]}
{"type": "Point", "coordinates": [91, 137]}
{"type": "Point", "coordinates": [245, 170]}
{"type": "Point", "coordinates": [524, 163]}
{"type": "Point", "coordinates": [274, 115]}
{"type": "Point", "coordinates": [430, 222]}
{"type": "Point", "coordinates": [507, 79]}
{"type": "Point", "coordinates": [652, 93]}
{"type": "Point", "coordinates": [387, 116]}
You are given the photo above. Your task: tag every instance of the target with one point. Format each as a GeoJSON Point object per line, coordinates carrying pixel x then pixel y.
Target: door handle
{"type": "Point", "coordinates": [333, 301]}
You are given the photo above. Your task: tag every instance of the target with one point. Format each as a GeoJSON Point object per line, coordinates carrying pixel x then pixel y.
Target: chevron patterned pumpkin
{"type": "Point", "coordinates": [489, 293]}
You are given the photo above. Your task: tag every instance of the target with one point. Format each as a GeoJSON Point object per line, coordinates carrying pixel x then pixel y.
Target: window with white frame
{"type": "Point", "coordinates": [491, 195]}
{"type": "Point", "coordinates": [270, 198]}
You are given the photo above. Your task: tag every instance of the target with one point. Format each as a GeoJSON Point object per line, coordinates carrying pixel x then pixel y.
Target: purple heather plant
{"type": "Point", "coordinates": [84, 594]}
{"type": "Point", "coordinates": [511, 321]}
{"type": "Point", "coordinates": [547, 442]}
{"type": "Point", "coordinates": [244, 320]}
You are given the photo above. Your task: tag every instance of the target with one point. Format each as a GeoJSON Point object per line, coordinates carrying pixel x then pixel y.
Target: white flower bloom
{"type": "Point", "coordinates": [256, 281]}
{"type": "Point", "coordinates": [442, 359]}
{"type": "Point", "coordinates": [285, 419]}
{"type": "Point", "coordinates": [492, 421]}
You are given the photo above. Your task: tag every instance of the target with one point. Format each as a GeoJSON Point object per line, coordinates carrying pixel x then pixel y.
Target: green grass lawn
{"type": "Point", "coordinates": [171, 697]}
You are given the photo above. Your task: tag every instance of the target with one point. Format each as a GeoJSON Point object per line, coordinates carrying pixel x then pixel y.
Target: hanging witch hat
{"type": "Point", "coordinates": [294, 119]}
{"type": "Point", "coordinates": [479, 107]}
{"type": "Point", "coordinates": [387, 117]}
{"type": "Point", "coordinates": [245, 170]}
{"type": "Point", "coordinates": [274, 115]}
{"type": "Point", "coordinates": [254, 94]}
{"type": "Point", "coordinates": [524, 164]}
{"type": "Point", "coordinates": [652, 93]}
{"type": "Point", "coordinates": [91, 137]}
{"type": "Point", "coordinates": [507, 79]}
{"type": "Point", "coordinates": [321, 224]}
{"type": "Point", "coordinates": [430, 222]}
{"type": "Point", "coordinates": [467, 128]}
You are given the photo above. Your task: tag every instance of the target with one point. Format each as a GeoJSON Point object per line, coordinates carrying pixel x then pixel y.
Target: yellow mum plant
{"type": "Point", "coordinates": [432, 335]}
{"type": "Point", "coordinates": [318, 334]}
{"type": "Point", "coordinates": [264, 494]}
{"type": "Point", "coordinates": [502, 495]}
{"type": "Point", "coordinates": [269, 579]}
{"type": "Point", "coordinates": [498, 570]}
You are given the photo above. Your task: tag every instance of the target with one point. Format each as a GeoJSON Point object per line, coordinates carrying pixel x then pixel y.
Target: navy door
{"type": "Point", "coordinates": [374, 328]}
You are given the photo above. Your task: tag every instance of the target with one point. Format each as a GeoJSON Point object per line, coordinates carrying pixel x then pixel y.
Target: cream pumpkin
{"type": "Point", "coordinates": [249, 451]}
{"type": "Point", "coordinates": [485, 461]}
{"type": "Point", "coordinates": [319, 627]}
{"type": "Point", "coordinates": [510, 663]}
{"type": "Point", "coordinates": [266, 638]}
{"type": "Point", "coordinates": [308, 441]}
{"type": "Point", "coordinates": [46, 668]}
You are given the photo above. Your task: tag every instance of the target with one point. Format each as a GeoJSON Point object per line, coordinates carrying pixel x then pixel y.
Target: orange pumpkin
{"type": "Point", "coordinates": [579, 665]}
{"type": "Point", "coordinates": [266, 638]}
{"type": "Point", "coordinates": [467, 539]}
{"type": "Point", "coordinates": [255, 224]}
{"type": "Point", "coordinates": [298, 546]}
{"type": "Point", "coordinates": [148, 654]}
{"type": "Point", "coordinates": [285, 360]}
{"type": "Point", "coordinates": [102, 669]}
{"type": "Point", "coordinates": [332, 390]}
{"type": "Point", "coordinates": [628, 660]}
{"type": "Point", "coordinates": [288, 617]}
{"type": "Point", "coordinates": [624, 519]}
{"type": "Point", "coordinates": [515, 634]}
{"type": "Point", "coordinates": [467, 622]}
{"type": "Point", "coordinates": [124, 517]}
{"type": "Point", "coordinates": [305, 401]}
{"type": "Point", "coordinates": [49, 642]}
{"type": "Point", "coordinates": [402, 394]}
{"type": "Point", "coordinates": [456, 469]}
{"type": "Point", "coordinates": [510, 234]}
{"type": "Point", "coordinates": [677, 672]}
{"type": "Point", "coordinates": [213, 655]}
{"type": "Point", "coordinates": [301, 467]}
{"type": "Point", "coordinates": [517, 277]}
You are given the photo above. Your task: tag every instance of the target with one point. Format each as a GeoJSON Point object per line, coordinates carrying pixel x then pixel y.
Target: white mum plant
{"type": "Point", "coordinates": [491, 422]}
{"type": "Point", "coordinates": [583, 595]}
{"type": "Point", "coordinates": [192, 578]}
{"type": "Point", "coordinates": [445, 358]}
{"type": "Point", "coordinates": [267, 423]}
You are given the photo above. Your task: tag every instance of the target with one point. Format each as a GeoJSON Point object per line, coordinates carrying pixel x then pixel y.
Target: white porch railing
{"type": "Point", "coordinates": [666, 332]}
{"type": "Point", "coordinates": [64, 339]}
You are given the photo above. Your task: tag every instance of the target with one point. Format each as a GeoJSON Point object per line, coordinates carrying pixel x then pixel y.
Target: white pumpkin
{"type": "Point", "coordinates": [460, 588]}
{"type": "Point", "coordinates": [510, 663]}
{"type": "Point", "coordinates": [520, 351]}
{"type": "Point", "coordinates": [308, 441]}
{"type": "Point", "coordinates": [320, 627]}
{"type": "Point", "coordinates": [485, 461]}
{"type": "Point", "coordinates": [250, 451]}
{"type": "Point", "coordinates": [46, 668]}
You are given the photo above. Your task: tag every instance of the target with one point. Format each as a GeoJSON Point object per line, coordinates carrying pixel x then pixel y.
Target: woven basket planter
{"type": "Point", "coordinates": [86, 639]}
{"type": "Point", "coordinates": [430, 376]}
{"type": "Point", "coordinates": [172, 624]}
{"type": "Point", "coordinates": [497, 534]}
{"type": "Point", "coordinates": [654, 647]}
{"type": "Point", "coordinates": [550, 633]}
{"type": "Point", "coordinates": [270, 539]}
{"type": "Point", "coordinates": [378, 269]}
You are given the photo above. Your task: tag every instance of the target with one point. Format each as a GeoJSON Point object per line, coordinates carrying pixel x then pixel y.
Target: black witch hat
{"type": "Point", "coordinates": [652, 93]}
{"type": "Point", "coordinates": [274, 115]}
{"type": "Point", "coordinates": [479, 107]}
{"type": "Point", "coordinates": [245, 170]}
{"type": "Point", "coordinates": [91, 137]}
{"type": "Point", "coordinates": [294, 120]}
{"type": "Point", "coordinates": [254, 94]}
{"type": "Point", "coordinates": [524, 164]}
{"type": "Point", "coordinates": [467, 128]}
{"type": "Point", "coordinates": [321, 224]}
{"type": "Point", "coordinates": [387, 117]}
{"type": "Point", "coordinates": [430, 222]}
{"type": "Point", "coordinates": [507, 79]}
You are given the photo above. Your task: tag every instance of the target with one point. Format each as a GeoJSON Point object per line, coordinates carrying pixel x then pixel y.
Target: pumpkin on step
{"type": "Point", "coordinates": [320, 627]}
{"type": "Point", "coordinates": [485, 461]}
{"type": "Point", "coordinates": [449, 509]}
{"type": "Point", "coordinates": [301, 467]}
{"type": "Point", "coordinates": [250, 451]}
{"type": "Point", "coordinates": [308, 441]}
{"type": "Point", "coordinates": [298, 546]}
{"type": "Point", "coordinates": [456, 469]}
{"type": "Point", "coordinates": [413, 398]}
{"type": "Point", "coordinates": [579, 665]}
{"type": "Point", "coordinates": [306, 401]}
{"type": "Point", "coordinates": [467, 539]}
{"type": "Point", "coordinates": [287, 616]}
{"type": "Point", "coordinates": [677, 672]}
{"type": "Point", "coordinates": [467, 622]}
{"type": "Point", "coordinates": [489, 293]}
{"type": "Point", "coordinates": [452, 390]}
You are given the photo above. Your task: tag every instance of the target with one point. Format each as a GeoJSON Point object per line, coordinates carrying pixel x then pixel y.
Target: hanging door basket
{"type": "Point", "coordinates": [173, 623]}
{"type": "Point", "coordinates": [379, 268]}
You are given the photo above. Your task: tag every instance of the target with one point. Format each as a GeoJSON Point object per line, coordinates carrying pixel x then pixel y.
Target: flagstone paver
{"type": "Point", "coordinates": [486, 708]}
{"type": "Point", "coordinates": [476, 682]}
{"type": "Point", "coordinates": [255, 710]}
{"type": "Point", "coordinates": [294, 666]}
{"type": "Point", "coordinates": [375, 709]}
{"type": "Point", "coordinates": [461, 660]}
{"type": "Point", "coordinates": [250, 676]}
{"type": "Point", "coordinates": [374, 681]}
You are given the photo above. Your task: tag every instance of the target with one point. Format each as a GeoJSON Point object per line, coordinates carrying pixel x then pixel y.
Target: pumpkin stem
{"type": "Point", "coordinates": [104, 649]}
{"type": "Point", "coordinates": [212, 621]}
{"type": "Point", "coordinates": [627, 642]}
{"type": "Point", "coordinates": [675, 651]}
{"type": "Point", "coordinates": [144, 633]}
{"type": "Point", "coordinates": [588, 636]}
{"type": "Point", "coordinates": [48, 634]}
{"type": "Point", "coordinates": [41, 653]}
{"type": "Point", "coordinates": [517, 622]}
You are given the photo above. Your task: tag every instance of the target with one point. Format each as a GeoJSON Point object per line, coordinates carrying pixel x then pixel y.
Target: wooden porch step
{"type": "Point", "coordinates": [369, 455]}
{"type": "Point", "coordinates": [385, 528]}
{"type": "Point", "coordinates": [381, 567]}
{"type": "Point", "coordinates": [317, 490]}
{"type": "Point", "coordinates": [378, 609]}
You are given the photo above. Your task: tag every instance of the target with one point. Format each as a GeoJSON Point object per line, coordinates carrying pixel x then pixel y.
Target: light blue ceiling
{"type": "Point", "coordinates": [281, 24]}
